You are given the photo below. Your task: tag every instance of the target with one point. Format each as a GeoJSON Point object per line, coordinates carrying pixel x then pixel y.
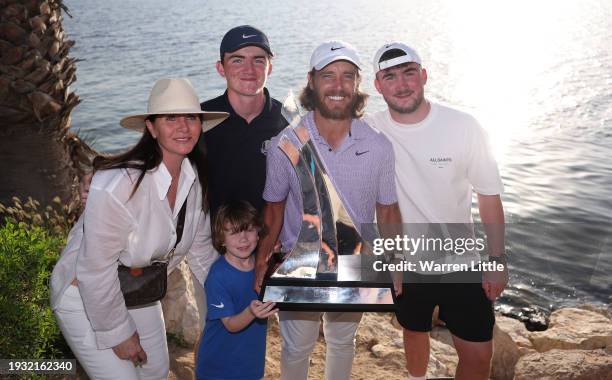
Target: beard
{"type": "Point", "coordinates": [343, 113]}
{"type": "Point", "coordinates": [408, 108]}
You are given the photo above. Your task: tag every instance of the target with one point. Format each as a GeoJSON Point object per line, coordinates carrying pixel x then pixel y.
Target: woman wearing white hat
{"type": "Point", "coordinates": [135, 202]}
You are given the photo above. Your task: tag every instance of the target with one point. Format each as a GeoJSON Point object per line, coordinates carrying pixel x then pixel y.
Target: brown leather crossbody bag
{"type": "Point", "coordinates": [141, 286]}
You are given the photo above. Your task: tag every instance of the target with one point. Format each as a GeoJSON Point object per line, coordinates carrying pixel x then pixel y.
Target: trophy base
{"type": "Point", "coordinates": [308, 295]}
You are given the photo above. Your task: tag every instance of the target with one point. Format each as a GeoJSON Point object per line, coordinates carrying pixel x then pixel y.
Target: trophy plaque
{"type": "Point", "coordinates": [329, 269]}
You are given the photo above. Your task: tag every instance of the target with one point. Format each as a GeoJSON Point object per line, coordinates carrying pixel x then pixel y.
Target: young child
{"type": "Point", "coordinates": [233, 345]}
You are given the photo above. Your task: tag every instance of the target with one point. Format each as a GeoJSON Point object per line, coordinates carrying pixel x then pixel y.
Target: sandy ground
{"type": "Point", "coordinates": [365, 366]}
{"type": "Point", "coordinates": [375, 328]}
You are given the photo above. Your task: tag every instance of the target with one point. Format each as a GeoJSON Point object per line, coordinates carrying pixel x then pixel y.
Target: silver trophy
{"type": "Point", "coordinates": [330, 266]}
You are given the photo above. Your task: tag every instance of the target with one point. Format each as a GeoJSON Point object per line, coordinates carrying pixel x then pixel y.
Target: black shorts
{"type": "Point", "coordinates": [464, 307]}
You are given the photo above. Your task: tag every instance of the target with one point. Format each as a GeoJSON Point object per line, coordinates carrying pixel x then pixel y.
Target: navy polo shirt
{"type": "Point", "coordinates": [237, 152]}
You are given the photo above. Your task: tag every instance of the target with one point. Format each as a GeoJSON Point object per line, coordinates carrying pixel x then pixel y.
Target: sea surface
{"type": "Point", "coordinates": [537, 74]}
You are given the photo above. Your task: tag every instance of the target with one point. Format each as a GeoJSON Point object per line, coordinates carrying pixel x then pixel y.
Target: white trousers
{"type": "Point", "coordinates": [300, 331]}
{"type": "Point", "coordinates": [104, 364]}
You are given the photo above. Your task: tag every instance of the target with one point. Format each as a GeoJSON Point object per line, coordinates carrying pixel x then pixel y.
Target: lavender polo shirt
{"type": "Point", "coordinates": [362, 170]}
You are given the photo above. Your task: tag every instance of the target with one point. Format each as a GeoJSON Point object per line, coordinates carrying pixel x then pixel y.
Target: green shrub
{"type": "Point", "coordinates": [27, 256]}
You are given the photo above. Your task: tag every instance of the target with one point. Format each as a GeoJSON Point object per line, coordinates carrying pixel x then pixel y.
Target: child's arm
{"type": "Point", "coordinates": [256, 309]}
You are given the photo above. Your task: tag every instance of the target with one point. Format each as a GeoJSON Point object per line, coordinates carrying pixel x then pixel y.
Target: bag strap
{"type": "Point", "coordinates": [180, 224]}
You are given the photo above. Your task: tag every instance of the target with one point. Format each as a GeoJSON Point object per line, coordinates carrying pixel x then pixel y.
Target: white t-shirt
{"type": "Point", "coordinates": [438, 163]}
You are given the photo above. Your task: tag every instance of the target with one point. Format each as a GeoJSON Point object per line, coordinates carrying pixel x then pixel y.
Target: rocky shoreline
{"type": "Point", "coordinates": [576, 345]}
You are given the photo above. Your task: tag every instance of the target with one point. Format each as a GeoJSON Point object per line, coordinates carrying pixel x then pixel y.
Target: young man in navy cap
{"type": "Point", "coordinates": [442, 156]}
{"type": "Point", "coordinates": [238, 146]}
{"type": "Point", "coordinates": [359, 162]}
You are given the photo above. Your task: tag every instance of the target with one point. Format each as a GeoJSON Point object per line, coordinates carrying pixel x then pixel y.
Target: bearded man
{"type": "Point", "coordinates": [360, 164]}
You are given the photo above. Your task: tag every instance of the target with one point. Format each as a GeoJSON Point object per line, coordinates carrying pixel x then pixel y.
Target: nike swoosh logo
{"type": "Point", "coordinates": [219, 306]}
{"type": "Point", "coordinates": [248, 36]}
{"type": "Point", "coordinates": [338, 48]}
{"type": "Point", "coordinates": [360, 153]}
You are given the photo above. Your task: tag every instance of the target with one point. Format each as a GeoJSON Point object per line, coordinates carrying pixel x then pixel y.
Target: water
{"type": "Point", "coordinates": [537, 74]}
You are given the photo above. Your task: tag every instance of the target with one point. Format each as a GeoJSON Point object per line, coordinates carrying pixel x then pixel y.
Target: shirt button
{"type": "Point", "coordinates": [330, 149]}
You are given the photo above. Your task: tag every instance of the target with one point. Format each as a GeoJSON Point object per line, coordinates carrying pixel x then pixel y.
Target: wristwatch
{"type": "Point", "coordinates": [502, 259]}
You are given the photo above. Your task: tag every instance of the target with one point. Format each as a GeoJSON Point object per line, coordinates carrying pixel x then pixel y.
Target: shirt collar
{"type": "Point", "coordinates": [356, 133]}
{"type": "Point", "coordinates": [163, 179]}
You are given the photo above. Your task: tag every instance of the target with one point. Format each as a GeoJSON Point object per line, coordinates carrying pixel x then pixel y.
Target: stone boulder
{"type": "Point", "coordinates": [443, 359]}
{"type": "Point", "coordinates": [386, 351]}
{"type": "Point", "coordinates": [184, 305]}
{"type": "Point", "coordinates": [505, 354]}
{"type": "Point", "coordinates": [443, 335]}
{"type": "Point", "coordinates": [573, 328]}
{"type": "Point", "coordinates": [517, 331]}
{"type": "Point", "coordinates": [443, 350]}
{"type": "Point", "coordinates": [377, 328]}
{"type": "Point", "coordinates": [600, 309]}
{"type": "Point", "coordinates": [182, 364]}
{"type": "Point", "coordinates": [565, 365]}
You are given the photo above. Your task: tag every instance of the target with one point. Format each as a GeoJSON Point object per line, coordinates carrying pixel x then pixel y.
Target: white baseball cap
{"type": "Point", "coordinates": [409, 56]}
{"type": "Point", "coordinates": [332, 51]}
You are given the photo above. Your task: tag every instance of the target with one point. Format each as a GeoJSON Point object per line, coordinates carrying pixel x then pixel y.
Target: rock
{"type": "Point", "coordinates": [442, 359]}
{"type": "Point", "coordinates": [386, 345]}
{"type": "Point", "coordinates": [441, 334]}
{"type": "Point", "coordinates": [184, 306]}
{"type": "Point", "coordinates": [565, 364]}
{"type": "Point", "coordinates": [182, 365]}
{"type": "Point", "coordinates": [606, 311]}
{"type": "Point", "coordinates": [437, 369]}
{"type": "Point", "coordinates": [377, 332]}
{"type": "Point", "coordinates": [505, 350]}
{"type": "Point", "coordinates": [377, 328]}
{"type": "Point", "coordinates": [505, 355]}
{"type": "Point", "coordinates": [384, 351]}
{"type": "Point", "coordinates": [573, 328]}
{"type": "Point", "coordinates": [516, 330]}
{"type": "Point", "coordinates": [398, 343]}
{"type": "Point", "coordinates": [535, 318]}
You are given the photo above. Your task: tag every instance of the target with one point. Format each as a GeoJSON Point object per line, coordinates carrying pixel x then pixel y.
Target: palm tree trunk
{"type": "Point", "coordinates": [35, 103]}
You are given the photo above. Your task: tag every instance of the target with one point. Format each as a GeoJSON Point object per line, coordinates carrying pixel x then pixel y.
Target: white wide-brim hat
{"type": "Point", "coordinates": [173, 96]}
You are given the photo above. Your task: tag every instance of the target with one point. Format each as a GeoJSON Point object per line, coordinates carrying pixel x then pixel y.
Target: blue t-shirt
{"type": "Point", "coordinates": [222, 354]}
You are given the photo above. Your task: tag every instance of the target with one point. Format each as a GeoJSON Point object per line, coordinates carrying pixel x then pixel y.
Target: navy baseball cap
{"type": "Point", "coordinates": [244, 35]}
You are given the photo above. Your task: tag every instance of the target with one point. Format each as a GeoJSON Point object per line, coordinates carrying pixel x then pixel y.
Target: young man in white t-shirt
{"type": "Point", "coordinates": [442, 155]}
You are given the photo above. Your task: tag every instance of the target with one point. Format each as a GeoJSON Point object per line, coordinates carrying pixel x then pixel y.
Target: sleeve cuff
{"type": "Point", "coordinates": [271, 198]}
{"type": "Point", "coordinates": [111, 338]}
{"type": "Point", "coordinates": [490, 191]}
{"type": "Point", "coordinates": [387, 202]}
